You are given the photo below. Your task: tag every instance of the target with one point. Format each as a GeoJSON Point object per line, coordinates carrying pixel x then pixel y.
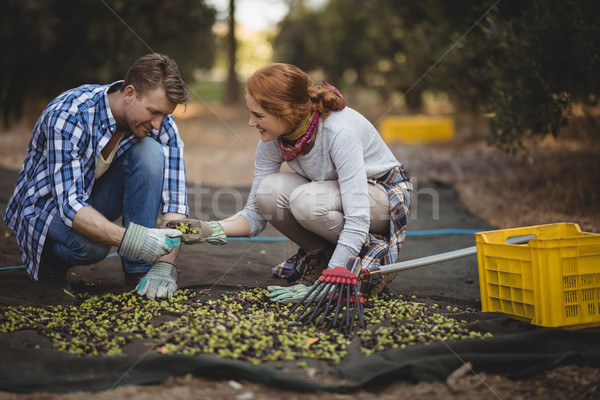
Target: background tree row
{"type": "Point", "coordinates": [52, 45]}
{"type": "Point", "coordinates": [524, 64]}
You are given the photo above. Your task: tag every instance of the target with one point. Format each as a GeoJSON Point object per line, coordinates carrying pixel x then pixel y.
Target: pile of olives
{"type": "Point", "coordinates": [184, 228]}
{"type": "Point", "coordinates": [242, 325]}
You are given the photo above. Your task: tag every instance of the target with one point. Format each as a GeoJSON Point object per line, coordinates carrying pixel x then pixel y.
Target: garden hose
{"type": "Point", "coordinates": [284, 239]}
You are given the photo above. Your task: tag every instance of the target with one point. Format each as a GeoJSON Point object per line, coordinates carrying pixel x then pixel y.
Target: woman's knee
{"type": "Point", "coordinates": [274, 191]}
{"type": "Point", "coordinates": [315, 200]}
{"type": "Point", "coordinates": [317, 208]}
{"type": "Point", "coordinates": [302, 204]}
{"type": "Point", "coordinates": [379, 203]}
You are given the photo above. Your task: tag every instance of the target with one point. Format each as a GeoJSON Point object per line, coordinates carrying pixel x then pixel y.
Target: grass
{"type": "Point", "coordinates": [208, 91]}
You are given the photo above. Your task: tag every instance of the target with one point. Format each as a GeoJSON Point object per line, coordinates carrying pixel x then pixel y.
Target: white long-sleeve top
{"type": "Point", "coordinates": [348, 149]}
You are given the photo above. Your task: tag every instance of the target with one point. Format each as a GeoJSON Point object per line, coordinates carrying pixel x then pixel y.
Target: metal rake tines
{"type": "Point", "coordinates": [334, 301]}
{"type": "Point", "coordinates": [308, 299]}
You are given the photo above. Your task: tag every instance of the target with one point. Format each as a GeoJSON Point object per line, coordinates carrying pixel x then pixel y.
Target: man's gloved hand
{"type": "Point", "coordinates": [159, 282]}
{"type": "Point", "coordinates": [295, 293]}
{"type": "Point", "coordinates": [148, 244]}
{"type": "Point", "coordinates": [198, 231]}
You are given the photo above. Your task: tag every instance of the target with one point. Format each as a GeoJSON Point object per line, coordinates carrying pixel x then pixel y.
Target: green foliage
{"type": "Point", "coordinates": [523, 63]}
{"type": "Point", "coordinates": [525, 66]}
{"type": "Point", "coordinates": [298, 40]}
{"type": "Point", "coordinates": [206, 91]}
{"type": "Point", "coordinates": [53, 45]}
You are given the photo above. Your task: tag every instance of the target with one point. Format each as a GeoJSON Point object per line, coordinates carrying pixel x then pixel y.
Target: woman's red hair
{"type": "Point", "coordinates": [285, 91]}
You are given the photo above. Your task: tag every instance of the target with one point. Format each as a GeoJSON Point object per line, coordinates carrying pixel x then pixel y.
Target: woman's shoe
{"type": "Point", "coordinates": [290, 270]}
{"type": "Point", "coordinates": [313, 265]}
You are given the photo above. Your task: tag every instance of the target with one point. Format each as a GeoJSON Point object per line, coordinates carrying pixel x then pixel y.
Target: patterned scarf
{"type": "Point", "coordinates": [293, 143]}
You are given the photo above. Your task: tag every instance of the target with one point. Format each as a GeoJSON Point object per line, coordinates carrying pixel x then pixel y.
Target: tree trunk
{"type": "Point", "coordinates": [232, 93]}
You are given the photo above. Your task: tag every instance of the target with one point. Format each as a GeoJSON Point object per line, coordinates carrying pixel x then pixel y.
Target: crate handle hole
{"type": "Point", "coordinates": [521, 239]}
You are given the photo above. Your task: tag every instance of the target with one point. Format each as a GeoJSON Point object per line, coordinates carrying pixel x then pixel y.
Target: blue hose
{"type": "Point", "coordinates": [444, 232]}
{"type": "Point", "coordinates": [284, 239]}
{"type": "Point", "coordinates": [409, 233]}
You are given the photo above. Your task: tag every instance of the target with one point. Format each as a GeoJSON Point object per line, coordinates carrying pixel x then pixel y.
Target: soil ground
{"type": "Point", "coordinates": [558, 181]}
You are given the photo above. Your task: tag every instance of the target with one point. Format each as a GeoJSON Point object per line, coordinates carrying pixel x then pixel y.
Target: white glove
{"type": "Point", "coordinates": [148, 244]}
{"type": "Point", "coordinates": [159, 282]}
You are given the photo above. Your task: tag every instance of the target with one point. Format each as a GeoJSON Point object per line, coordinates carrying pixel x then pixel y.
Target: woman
{"type": "Point", "coordinates": [348, 195]}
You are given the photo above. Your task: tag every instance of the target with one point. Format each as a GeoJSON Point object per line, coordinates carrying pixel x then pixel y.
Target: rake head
{"type": "Point", "coordinates": [335, 300]}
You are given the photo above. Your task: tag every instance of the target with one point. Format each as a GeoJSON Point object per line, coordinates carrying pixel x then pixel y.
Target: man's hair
{"type": "Point", "coordinates": [153, 70]}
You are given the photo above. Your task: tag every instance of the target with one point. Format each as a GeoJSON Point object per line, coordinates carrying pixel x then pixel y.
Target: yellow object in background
{"type": "Point", "coordinates": [552, 281]}
{"type": "Point", "coordinates": [416, 129]}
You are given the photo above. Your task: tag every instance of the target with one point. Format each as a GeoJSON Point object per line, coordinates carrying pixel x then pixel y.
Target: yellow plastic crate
{"type": "Point", "coordinates": [552, 281]}
{"type": "Point", "coordinates": [416, 129]}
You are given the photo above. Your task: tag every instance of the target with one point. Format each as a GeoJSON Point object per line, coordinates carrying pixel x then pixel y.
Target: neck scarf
{"type": "Point", "coordinates": [292, 144]}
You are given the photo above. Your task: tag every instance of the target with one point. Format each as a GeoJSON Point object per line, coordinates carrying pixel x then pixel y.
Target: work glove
{"type": "Point", "coordinates": [295, 293]}
{"type": "Point", "coordinates": [198, 231]}
{"type": "Point", "coordinates": [289, 294]}
{"type": "Point", "coordinates": [159, 282]}
{"type": "Point", "coordinates": [148, 244]}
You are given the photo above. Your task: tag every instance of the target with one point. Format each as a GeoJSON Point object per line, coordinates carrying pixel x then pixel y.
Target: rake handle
{"type": "Point", "coordinates": [437, 258]}
{"type": "Point", "coordinates": [421, 262]}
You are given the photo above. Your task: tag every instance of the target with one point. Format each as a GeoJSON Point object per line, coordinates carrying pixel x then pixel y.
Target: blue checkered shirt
{"type": "Point", "coordinates": [58, 172]}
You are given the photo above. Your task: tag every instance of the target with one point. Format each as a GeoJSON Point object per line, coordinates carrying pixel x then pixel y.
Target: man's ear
{"type": "Point", "coordinates": [129, 93]}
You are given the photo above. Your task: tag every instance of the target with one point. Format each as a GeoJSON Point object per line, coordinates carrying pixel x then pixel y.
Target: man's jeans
{"type": "Point", "coordinates": [131, 188]}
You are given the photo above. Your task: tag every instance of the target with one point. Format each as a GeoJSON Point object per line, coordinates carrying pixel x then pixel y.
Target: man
{"type": "Point", "coordinates": [98, 153]}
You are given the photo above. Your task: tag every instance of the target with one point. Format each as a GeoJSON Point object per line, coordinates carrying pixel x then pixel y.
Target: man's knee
{"type": "Point", "coordinates": [89, 252]}
{"type": "Point", "coordinates": [147, 156]}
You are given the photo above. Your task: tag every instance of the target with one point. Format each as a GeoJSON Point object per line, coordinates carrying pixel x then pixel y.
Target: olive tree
{"type": "Point", "coordinates": [52, 45]}
{"type": "Point", "coordinates": [524, 64]}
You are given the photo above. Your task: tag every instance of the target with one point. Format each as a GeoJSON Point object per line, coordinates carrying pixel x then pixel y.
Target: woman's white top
{"type": "Point", "coordinates": [347, 149]}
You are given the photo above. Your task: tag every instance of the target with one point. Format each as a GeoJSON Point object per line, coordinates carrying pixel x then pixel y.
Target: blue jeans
{"type": "Point", "coordinates": [131, 188]}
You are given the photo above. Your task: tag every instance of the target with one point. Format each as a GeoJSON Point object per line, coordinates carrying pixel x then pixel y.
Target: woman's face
{"type": "Point", "coordinates": [269, 126]}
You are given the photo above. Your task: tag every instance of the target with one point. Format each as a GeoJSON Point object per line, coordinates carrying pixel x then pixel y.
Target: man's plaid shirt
{"type": "Point", "coordinates": [58, 172]}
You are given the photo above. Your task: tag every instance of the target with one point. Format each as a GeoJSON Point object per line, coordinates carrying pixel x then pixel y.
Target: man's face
{"type": "Point", "coordinates": [147, 111]}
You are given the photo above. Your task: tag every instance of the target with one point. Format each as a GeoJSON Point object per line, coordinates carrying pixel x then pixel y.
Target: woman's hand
{"type": "Point", "coordinates": [199, 231]}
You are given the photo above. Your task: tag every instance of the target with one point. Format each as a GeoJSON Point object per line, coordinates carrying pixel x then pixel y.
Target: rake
{"type": "Point", "coordinates": [337, 292]}
{"type": "Point", "coordinates": [335, 300]}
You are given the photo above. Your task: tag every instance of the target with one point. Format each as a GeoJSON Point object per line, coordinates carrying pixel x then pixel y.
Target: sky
{"type": "Point", "coordinates": [255, 14]}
